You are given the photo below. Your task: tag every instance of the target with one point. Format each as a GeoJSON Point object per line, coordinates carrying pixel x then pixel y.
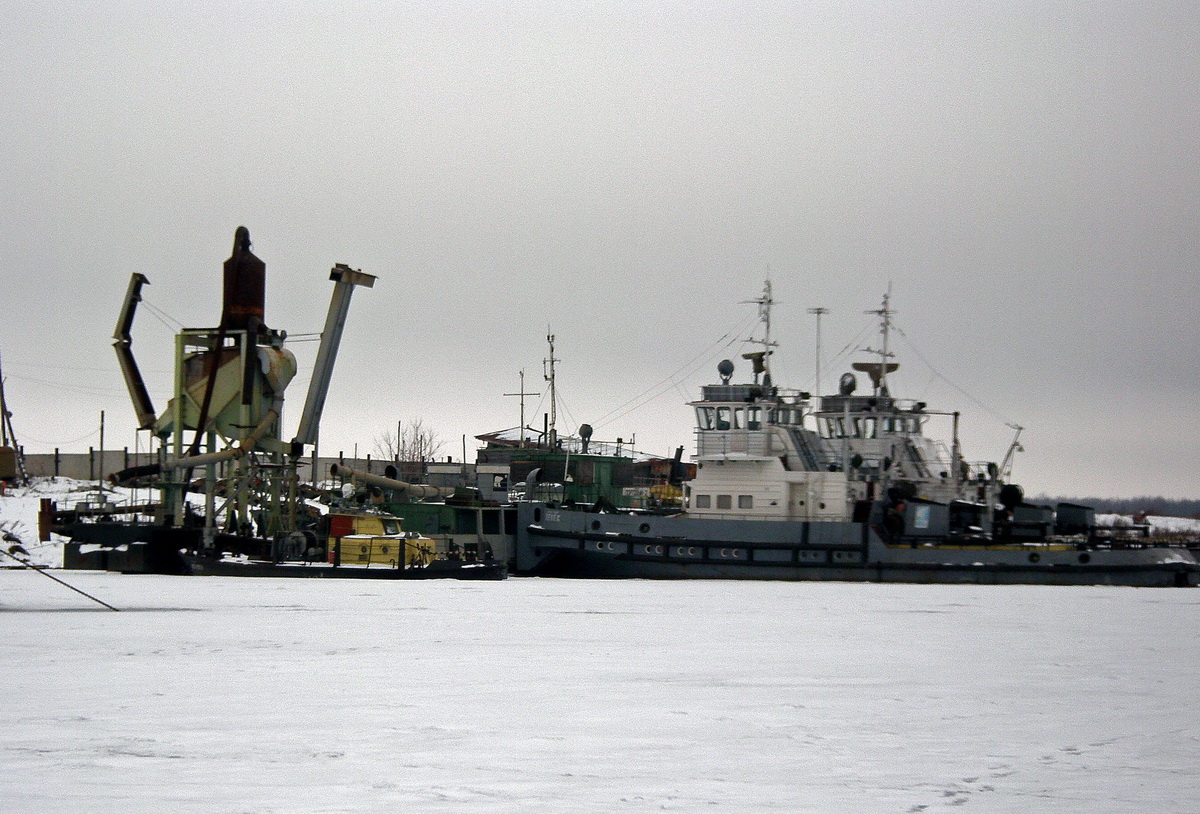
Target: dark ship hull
{"type": "Point", "coordinates": [441, 569]}
{"type": "Point", "coordinates": [571, 543]}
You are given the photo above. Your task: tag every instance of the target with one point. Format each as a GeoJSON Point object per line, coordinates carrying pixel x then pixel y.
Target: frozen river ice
{"type": "Point", "coordinates": [228, 695]}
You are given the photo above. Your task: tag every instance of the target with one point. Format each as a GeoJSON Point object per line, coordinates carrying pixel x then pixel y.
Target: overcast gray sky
{"type": "Point", "coordinates": [626, 174]}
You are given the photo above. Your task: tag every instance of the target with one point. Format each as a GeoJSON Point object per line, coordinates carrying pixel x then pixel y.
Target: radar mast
{"type": "Point", "coordinates": [761, 359]}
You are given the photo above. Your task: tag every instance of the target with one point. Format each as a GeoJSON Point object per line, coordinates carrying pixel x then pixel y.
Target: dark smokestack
{"type": "Point", "coordinates": [245, 286]}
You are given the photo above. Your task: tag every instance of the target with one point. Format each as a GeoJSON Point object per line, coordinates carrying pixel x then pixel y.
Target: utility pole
{"type": "Point", "coordinates": [523, 394]}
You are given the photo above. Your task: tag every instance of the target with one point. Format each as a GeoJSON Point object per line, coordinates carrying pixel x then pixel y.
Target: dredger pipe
{"type": "Point", "coordinates": [245, 445]}
{"type": "Point", "coordinates": [204, 459]}
{"type": "Point", "coordinates": [417, 490]}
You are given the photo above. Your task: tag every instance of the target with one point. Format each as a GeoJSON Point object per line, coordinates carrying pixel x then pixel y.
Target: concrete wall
{"type": "Point", "coordinates": [90, 465]}
{"type": "Point", "coordinates": [94, 464]}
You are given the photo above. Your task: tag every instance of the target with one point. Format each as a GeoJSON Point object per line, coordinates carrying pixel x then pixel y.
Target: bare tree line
{"type": "Point", "coordinates": [411, 441]}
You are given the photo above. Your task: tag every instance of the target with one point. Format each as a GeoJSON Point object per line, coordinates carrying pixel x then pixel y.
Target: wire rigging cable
{"type": "Point", "coordinates": [162, 316]}
{"type": "Point", "coordinates": [939, 375]}
{"type": "Point", "coordinates": [60, 442]}
{"type": "Point", "coordinates": [672, 380]}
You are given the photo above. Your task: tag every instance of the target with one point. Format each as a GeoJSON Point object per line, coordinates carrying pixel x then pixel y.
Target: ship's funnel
{"type": "Point", "coordinates": [245, 286]}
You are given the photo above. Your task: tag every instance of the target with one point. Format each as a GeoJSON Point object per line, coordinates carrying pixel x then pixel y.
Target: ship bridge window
{"type": "Point", "coordinates": [723, 418]}
{"type": "Point", "coordinates": [864, 428]}
{"type": "Point", "coordinates": [391, 526]}
{"type": "Point", "coordinates": [704, 418]}
{"type": "Point", "coordinates": [902, 424]}
{"type": "Point", "coordinates": [834, 428]}
{"type": "Point", "coordinates": [754, 418]}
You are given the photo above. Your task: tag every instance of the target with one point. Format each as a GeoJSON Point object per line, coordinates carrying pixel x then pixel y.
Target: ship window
{"type": "Point", "coordinates": [754, 419]}
{"type": "Point", "coordinates": [724, 501]}
{"type": "Point", "coordinates": [391, 527]}
{"type": "Point", "coordinates": [704, 418]}
{"type": "Point", "coordinates": [739, 418]}
{"type": "Point", "coordinates": [722, 418]}
{"type": "Point", "coordinates": [491, 522]}
{"type": "Point", "coordinates": [745, 501]}
{"type": "Point", "coordinates": [703, 501]}
{"type": "Point", "coordinates": [864, 428]}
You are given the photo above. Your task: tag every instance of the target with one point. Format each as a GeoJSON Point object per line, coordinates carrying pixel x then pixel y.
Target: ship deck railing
{"type": "Point", "coordinates": [740, 443]}
{"type": "Point", "coordinates": [1053, 543]}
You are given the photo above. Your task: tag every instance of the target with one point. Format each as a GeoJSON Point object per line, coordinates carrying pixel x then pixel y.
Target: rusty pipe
{"type": "Point", "coordinates": [417, 490]}
{"type": "Point", "coordinates": [204, 459]}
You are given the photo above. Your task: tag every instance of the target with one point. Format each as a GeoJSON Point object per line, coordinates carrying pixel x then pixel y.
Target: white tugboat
{"type": "Point", "coordinates": [849, 487]}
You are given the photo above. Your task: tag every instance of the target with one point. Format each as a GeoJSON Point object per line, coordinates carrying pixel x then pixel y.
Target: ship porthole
{"type": "Point", "coordinates": [1034, 557]}
{"type": "Point", "coordinates": [595, 525]}
{"type": "Point", "coordinates": [644, 528]}
{"type": "Point", "coordinates": [1085, 558]}
{"type": "Point", "coordinates": [362, 549]}
{"type": "Point", "coordinates": [383, 550]}
{"type": "Point", "coordinates": [691, 552]}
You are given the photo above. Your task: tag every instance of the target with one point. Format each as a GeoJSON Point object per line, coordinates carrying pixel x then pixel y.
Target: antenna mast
{"type": "Point", "coordinates": [548, 375]}
{"type": "Point", "coordinates": [523, 394]}
{"type": "Point", "coordinates": [817, 382]}
{"type": "Point", "coordinates": [885, 325]}
{"type": "Point", "coordinates": [764, 303]}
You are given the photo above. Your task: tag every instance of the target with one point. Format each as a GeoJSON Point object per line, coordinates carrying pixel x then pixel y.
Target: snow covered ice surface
{"type": "Point", "coordinates": [233, 695]}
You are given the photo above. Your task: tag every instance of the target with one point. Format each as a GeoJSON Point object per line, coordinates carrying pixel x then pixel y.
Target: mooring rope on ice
{"type": "Point", "coordinates": [43, 572]}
